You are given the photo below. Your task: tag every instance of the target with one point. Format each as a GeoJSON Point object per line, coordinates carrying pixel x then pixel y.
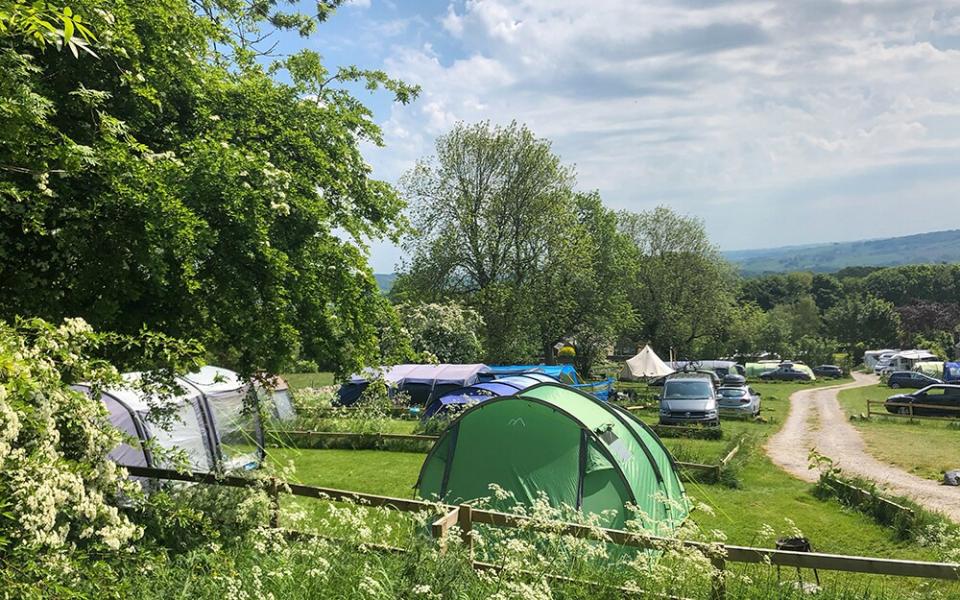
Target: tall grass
{"type": "Point", "coordinates": [349, 550]}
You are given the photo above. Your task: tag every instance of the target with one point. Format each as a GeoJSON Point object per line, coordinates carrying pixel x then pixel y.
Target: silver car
{"type": "Point", "coordinates": [739, 400]}
{"type": "Point", "coordinates": [688, 400]}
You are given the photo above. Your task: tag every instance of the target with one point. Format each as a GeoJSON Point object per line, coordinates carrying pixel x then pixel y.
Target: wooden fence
{"type": "Point", "coordinates": [909, 413]}
{"type": "Point", "coordinates": [465, 517]}
{"type": "Point", "coordinates": [866, 496]}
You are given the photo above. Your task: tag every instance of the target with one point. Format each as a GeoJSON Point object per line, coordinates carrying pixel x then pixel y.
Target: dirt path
{"type": "Point", "coordinates": [816, 421]}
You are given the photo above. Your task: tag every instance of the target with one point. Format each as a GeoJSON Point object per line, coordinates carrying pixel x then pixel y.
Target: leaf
{"type": "Point", "coordinates": [68, 30]}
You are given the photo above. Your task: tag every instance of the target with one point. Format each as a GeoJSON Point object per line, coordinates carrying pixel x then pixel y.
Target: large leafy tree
{"type": "Point", "coordinates": [863, 321]}
{"type": "Point", "coordinates": [910, 283]}
{"type": "Point", "coordinates": [488, 209]}
{"type": "Point", "coordinates": [173, 183]}
{"type": "Point", "coordinates": [497, 226]}
{"type": "Point", "coordinates": [683, 289]}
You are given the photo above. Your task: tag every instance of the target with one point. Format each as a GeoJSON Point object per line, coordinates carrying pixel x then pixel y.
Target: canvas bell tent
{"type": "Point", "coordinates": [474, 394]}
{"type": "Point", "coordinates": [204, 422]}
{"type": "Point", "coordinates": [422, 382]}
{"type": "Point", "coordinates": [645, 365]}
{"type": "Point", "coordinates": [553, 440]}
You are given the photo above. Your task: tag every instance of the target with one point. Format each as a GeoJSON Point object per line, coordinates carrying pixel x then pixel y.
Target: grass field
{"type": "Point", "coordinates": [767, 499]}
{"type": "Point", "coordinates": [305, 380]}
{"type": "Point", "coordinates": [923, 447]}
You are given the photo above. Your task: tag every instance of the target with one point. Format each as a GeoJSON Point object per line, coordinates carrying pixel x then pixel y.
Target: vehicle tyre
{"type": "Point", "coordinates": [903, 410]}
{"type": "Point", "coordinates": [895, 386]}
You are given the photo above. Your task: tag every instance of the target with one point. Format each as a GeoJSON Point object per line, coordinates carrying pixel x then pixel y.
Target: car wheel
{"type": "Point", "coordinates": [895, 386]}
{"type": "Point", "coordinates": [903, 410]}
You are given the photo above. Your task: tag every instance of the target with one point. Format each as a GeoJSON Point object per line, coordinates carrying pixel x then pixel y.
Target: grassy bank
{"type": "Point", "coordinates": [923, 447]}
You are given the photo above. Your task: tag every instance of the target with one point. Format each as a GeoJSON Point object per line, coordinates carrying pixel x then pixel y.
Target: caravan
{"type": "Point", "coordinates": [907, 360]}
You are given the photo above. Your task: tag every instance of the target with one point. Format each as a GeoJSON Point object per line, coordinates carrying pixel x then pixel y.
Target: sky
{"type": "Point", "coordinates": [776, 122]}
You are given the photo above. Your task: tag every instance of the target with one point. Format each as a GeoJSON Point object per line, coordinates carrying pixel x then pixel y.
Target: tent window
{"type": "Point", "coordinates": [616, 446]}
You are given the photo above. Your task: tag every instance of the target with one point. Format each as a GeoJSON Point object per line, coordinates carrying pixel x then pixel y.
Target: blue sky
{"type": "Point", "coordinates": [777, 122]}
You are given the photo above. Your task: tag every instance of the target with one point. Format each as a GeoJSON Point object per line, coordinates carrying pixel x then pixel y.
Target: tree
{"type": "Point", "coordinates": [826, 290]}
{"type": "Point", "coordinates": [583, 298]}
{"type": "Point", "coordinates": [175, 184]}
{"type": "Point", "coordinates": [863, 321]}
{"type": "Point", "coordinates": [928, 317]}
{"type": "Point", "coordinates": [683, 289]}
{"type": "Point", "coordinates": [498, 227]}
{"type": "Point", "coordinates": [910, 283]}
{"type": "Point", "coordinates": [449, 331]}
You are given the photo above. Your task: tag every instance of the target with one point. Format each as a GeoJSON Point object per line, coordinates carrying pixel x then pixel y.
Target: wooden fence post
{"type": "Point", "coordinates": [438, 530]}
{"type": "Point", "coordinates": [719, 587]}
{"type": "Point", "coordinates": [274, 492]}
{"type": "Point", "coordinates": [465, 521]}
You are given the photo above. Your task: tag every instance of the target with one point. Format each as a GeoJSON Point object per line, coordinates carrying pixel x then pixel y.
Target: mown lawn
{"type": "Point", "coordinates": [923, 447]}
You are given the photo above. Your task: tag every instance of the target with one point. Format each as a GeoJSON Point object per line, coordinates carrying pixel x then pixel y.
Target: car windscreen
{"type": "Point", "coordinates": [687, 390]}
{"type": "Point", "coordinates": [733, 393]}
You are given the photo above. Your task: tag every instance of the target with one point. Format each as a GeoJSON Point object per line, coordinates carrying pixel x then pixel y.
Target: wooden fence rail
{"type": "Point", "coordinates": [465, 517]}
{"type": "Point", "coordinates": [910, 410]}
{"type": "Point", "coordinates": [868, 496]}
{"type": "Point", "coordinates": [353, 434]}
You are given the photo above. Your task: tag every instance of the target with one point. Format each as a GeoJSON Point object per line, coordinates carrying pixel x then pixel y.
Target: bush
{"type": "Point", "coordinates": [449, 332]}
{"type": "Point", "coordinates": [692, 432]}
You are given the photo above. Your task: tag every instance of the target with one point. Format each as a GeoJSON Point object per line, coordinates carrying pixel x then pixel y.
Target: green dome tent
{"type": "Point", "coordinates": [555, 440]}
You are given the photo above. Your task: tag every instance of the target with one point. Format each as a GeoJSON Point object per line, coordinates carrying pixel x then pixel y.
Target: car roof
{"type": "Point", "coordinates": [938, 386]}
{"type": "Point", "coordinates": [694, 376]}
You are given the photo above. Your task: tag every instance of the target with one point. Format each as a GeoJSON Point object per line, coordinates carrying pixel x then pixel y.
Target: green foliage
{"type": "Point", "coordinates": [912, 283]}
{"type": "Point", "coordinates": [682, 290]}
{"type": "Point", "coordinates": [498, 227]}
{"type": "Point", "coordinates": [174, 184]}
{"type": "Point", "coordinates": [864, 320]}
{"type": "Point", "coordinates": [448, 331]}
{"type": "Point", "coordinates": [40, 24]}
{"type": "Point", "coordinates": [61, 498]}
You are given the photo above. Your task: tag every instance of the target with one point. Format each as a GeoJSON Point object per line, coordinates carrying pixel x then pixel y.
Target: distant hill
{"type": "Point", "coordinates": [923, 248]}
{"type": "Point", "coordinates": [385, 281]}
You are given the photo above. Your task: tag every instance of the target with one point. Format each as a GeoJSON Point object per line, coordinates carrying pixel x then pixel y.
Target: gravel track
{"type": "Point", "coordinates": [817, 421]}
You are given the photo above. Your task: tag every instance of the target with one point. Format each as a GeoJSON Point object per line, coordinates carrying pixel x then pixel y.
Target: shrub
{"type": "Point", "coordinates": [60, 496]}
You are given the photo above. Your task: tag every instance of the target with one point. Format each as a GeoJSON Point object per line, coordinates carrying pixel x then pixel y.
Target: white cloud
{"type": "Point", "coordinates": [699, 103]}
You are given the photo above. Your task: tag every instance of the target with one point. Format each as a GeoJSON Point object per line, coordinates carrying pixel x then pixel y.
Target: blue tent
{"type": "Point", "coordinates": [951, 372]}
{"type": "Point", "coordinates": [565, 373]}
{"type": "Point", "coordinates": [474, 394]}
{"type": "Point", "coordinates": [422, 382]}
